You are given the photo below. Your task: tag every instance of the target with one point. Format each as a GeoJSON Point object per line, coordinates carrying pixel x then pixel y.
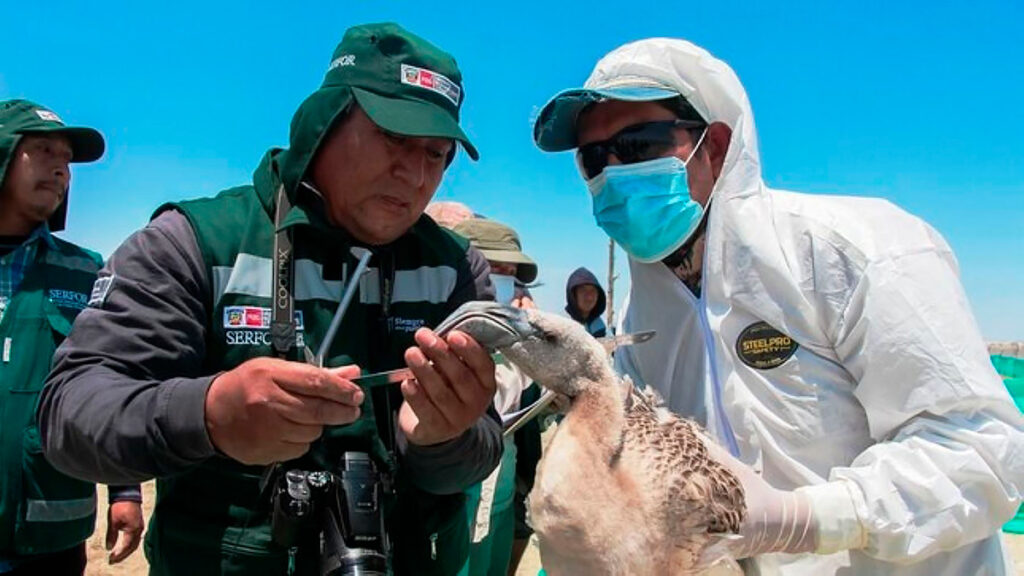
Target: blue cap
{"type": "Point", "coordinates": [555, 128]}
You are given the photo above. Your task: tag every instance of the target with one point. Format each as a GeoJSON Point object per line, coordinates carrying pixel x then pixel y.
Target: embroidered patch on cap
{"type": "Point", "coordinates": [100, 289]}
{"type": "Point", "coordinates": [423, 78]}
{"type": "Point", "coordinates": [48, 116]}
{"type": "Point", "coordinates": [762, 347]}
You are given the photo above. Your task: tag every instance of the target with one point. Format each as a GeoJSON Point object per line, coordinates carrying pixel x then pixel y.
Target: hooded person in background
{"type": "Point", "coordinates": [585, 301]}
{"type": "Point", "coordinates": [45, 516]}
{"type": "Point", "coordinates": [825, 341]}
{"type": "Point", "coordinates": [188, 364]}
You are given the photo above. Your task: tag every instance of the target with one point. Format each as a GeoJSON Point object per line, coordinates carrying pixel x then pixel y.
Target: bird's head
{"type": "Point", "coordinates": [552, 350]}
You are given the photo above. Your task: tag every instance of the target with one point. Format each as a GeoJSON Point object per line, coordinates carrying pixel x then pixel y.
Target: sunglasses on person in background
{"type": "Point", "coordinates": [636, 143]}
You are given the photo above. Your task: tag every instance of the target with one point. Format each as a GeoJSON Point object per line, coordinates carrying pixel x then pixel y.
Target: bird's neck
{"type": "Point", "coordinates": [597, 416]}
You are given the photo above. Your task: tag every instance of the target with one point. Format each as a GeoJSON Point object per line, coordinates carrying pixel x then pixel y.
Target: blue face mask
{"type": "Point", "coordinates": [504, 288]}
{"type": "Point", "coordinates": [646, 207]}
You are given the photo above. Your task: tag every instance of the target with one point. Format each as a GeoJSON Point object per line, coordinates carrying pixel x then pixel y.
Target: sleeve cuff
{"type": "Point", "coordinates": [836, 507]}
{"type": "Point", "coordinates": [124, 493]}
{"type": "Point", "coordinates": [182, 417]}
{"type": "Point", "coordinates": [452, 466]}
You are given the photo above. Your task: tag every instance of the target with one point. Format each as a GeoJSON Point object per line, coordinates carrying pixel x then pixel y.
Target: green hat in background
{"type": "Point", "coordinates": [498, 243]}
{"type": "Point", "coordinates": [405, 84]}
{"type": "Point", "coordinates": [21, 117]}
{"type": "Point", "coordinates": [18, 117]}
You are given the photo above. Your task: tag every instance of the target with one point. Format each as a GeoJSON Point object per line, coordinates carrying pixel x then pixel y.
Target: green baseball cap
{"type": "Point", "coordinates": [405, 84]}
{"type": "Point", "coordinates": [20, 117]}
{"type": "Point", "coordinates": [498, 243]}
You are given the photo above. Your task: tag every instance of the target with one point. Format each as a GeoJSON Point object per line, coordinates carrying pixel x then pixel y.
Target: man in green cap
{"type": "Point", "coordinates": [45, 516]}
{"type": "Point", "coordinates": [189, 363]}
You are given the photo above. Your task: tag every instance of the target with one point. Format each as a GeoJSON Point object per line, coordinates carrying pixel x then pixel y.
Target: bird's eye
{"type": "Point", "coordinates": [550, 337]}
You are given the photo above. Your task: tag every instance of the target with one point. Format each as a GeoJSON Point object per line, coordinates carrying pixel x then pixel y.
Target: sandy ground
{"type": "Point", "coordinates": [136, 563]}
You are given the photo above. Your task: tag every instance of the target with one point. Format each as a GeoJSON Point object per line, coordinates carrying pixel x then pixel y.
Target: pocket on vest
{"type": "Point", "coordinates": [56, 511]}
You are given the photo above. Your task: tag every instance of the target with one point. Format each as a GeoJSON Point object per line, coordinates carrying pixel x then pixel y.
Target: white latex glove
{"type": "Point", "coordinates": [776, 520]}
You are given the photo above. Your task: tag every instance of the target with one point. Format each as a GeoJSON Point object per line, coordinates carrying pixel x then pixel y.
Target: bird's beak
{"type": "Point", "coordinates": [493, 325]}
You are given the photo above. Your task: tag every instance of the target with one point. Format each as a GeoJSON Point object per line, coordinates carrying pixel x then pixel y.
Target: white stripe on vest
{"type": "Point", "coordinates": [59, 510]}
{"type": "Point", "coordinates": [252, 276]}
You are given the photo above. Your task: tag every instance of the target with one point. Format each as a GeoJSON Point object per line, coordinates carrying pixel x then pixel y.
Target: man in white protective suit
{"type": "Point", "coordinates": [825, 341]}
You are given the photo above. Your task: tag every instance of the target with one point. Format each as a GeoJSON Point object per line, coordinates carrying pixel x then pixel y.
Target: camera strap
{"type": "Point", "coordinates": [282, 324]}
{"type": "Point", "coordinates": [386, 282]}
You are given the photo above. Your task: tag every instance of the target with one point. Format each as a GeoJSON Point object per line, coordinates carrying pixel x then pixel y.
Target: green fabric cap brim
{"type": "Point", "coordinates": [555, 128]}
{"type": "Point", "coordinates": [86, 143]}
{"type": "Point", "coordinates": [526, 269]}
{"type": "Point", "coordinates": [412, 118]}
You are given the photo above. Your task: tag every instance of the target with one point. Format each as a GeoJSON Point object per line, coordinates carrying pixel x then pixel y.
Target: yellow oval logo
{"type": "Point", "coordinates": [762, 347]}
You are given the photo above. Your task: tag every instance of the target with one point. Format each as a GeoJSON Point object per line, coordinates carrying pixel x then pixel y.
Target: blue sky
{"type": "Point", "coordinates": [916, 102]}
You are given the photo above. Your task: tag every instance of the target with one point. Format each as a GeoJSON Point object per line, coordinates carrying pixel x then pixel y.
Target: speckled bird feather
{"type": "Point", "coordinates": [625, 487]}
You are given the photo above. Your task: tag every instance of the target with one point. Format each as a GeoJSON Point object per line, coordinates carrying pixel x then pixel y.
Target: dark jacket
{"type": "Point", "coordinates": [156, 334]}
{"type": "Point", "coordinates": [593, 322]}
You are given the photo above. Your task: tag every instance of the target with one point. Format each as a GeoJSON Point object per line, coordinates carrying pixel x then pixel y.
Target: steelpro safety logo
{"type": "Point", "coordinates": [762, 347]}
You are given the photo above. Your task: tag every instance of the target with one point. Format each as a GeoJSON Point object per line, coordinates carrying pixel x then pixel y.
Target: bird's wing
{"type": "Point", "coordinates": [698, 494]}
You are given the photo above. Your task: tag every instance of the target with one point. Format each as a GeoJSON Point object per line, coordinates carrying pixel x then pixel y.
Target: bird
{"type": "Point", "coordinates": [624, 487]}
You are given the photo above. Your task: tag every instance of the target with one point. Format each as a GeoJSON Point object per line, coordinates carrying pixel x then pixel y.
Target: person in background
{"type": "Point", "coordinates": [497, 521]}
{"type": "Point", "coordinates": [191, 363]}
{"type": "Point", "coordinates": [585, 301]}
{"type": "Point", "coordinates": [45, 516]}
{"type": "Point", "coordinates": [826, 342]}
{"type": "Point", "coordinates": [511, 269]}
{"type": "Point", "coordinates": [448, 213]}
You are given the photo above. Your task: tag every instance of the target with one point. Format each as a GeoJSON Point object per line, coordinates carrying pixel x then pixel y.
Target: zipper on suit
{"type": "Point", "coordinates": [725, 427]}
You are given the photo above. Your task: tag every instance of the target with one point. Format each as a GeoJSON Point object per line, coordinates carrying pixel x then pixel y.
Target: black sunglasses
{"type": "Point", "coordinates": [636, 143]}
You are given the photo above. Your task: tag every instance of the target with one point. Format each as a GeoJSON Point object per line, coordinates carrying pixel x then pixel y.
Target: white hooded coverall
{"type": "Point", "coordinates": [882, 402]}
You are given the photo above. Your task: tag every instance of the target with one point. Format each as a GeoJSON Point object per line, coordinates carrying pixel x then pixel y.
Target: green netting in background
{"type": "Point", "coordinates": [1008, 366]}
{"type": "Point", "coordinates": [1012, 371]}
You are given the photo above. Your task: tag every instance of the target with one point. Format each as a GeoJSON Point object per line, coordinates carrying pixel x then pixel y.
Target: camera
{"type": "Point", "coordinates": [341, 513]}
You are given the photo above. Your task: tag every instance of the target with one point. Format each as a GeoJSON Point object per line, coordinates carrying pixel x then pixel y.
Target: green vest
{"type": "Point", "coordinates": [213, 519]}
{"type": "Point", "coordinates": [41, 510]}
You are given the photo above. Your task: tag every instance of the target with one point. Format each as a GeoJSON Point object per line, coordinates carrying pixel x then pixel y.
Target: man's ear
{"type": "Point", "coordinates": [717, 145]}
